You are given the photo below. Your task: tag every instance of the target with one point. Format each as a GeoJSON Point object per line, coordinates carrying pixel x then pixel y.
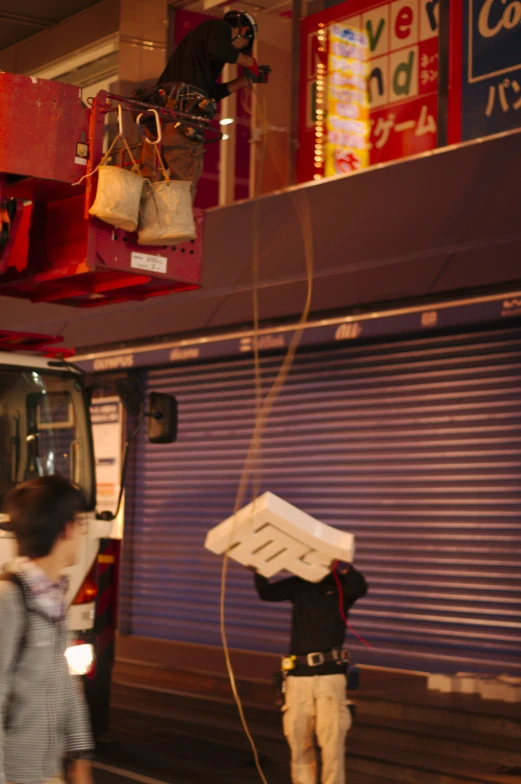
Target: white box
{"type": "Point", "coordinates": [465, 683]}
{"type": "Point", "coordinates": [436, 682]}
{"type": "Point", "coordinates": [492, 689]}
{"type": "Point", "coordinates": [274, 536]}
{"type": "Point", "coordinates": [512, 691]}
{"type": "Point", "coordinates": [513, 680]}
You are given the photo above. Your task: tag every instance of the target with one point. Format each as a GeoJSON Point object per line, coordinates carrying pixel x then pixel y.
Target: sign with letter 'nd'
{"type": "Point", "coordinates": [274, 536]}
{"type": "Point", "coordinates": [402, 38]}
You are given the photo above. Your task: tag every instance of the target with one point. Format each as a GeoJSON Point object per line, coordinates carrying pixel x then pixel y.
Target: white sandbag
{"type": "Point", "coordinates": [118, 197]}
{"type": "Point", "coordinates": [166, 216]}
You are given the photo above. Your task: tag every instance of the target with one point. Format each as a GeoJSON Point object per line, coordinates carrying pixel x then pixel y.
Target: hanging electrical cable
{"type": "Point", "coordinates": [253, 462]}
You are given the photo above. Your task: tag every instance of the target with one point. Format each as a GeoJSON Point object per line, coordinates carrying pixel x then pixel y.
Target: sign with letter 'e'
{"type": "Point", "coordinates": [402, 37]}
{"type": "Point", "coordinates": [274, 536]}
{"type": "Point", "coordinates": [485, 63]}
{"type": "Point", "coordinates": [347, 119]}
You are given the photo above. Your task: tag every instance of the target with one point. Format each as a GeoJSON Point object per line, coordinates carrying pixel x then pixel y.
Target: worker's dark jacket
{"type": "Point", "coordinates": [317, 624]}
{"type": "Point", "coordinates": [200, 58]}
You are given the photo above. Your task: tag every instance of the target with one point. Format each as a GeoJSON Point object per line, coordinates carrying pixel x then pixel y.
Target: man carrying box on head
{"type": "Point", "coordinates": [315, 671]}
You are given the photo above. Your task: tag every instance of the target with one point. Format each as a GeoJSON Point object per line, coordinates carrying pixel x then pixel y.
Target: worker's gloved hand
{"type": "Point", "coordinates": [258, 74]}
{"type": "Point", "coordinates": [264, 74]}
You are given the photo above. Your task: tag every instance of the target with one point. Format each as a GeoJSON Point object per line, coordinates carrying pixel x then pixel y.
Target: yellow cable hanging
{"type": "Point", "coordinates": [253, 461]}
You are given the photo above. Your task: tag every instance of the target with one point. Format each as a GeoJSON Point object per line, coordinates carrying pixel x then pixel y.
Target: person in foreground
{"type": "Point", "coordinates": [44, 719]}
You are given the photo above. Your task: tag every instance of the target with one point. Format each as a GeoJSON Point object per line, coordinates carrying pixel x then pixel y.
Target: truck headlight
{"type": "Point", "coordinates": [80, 658]}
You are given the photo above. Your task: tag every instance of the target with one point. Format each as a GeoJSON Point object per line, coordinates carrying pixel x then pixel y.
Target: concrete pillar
{"type": "Point", "coordinates": [143, 42]}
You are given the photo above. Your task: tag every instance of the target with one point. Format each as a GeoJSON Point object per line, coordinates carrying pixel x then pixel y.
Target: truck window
{"type": "Point", "coordinates": [44, 428]}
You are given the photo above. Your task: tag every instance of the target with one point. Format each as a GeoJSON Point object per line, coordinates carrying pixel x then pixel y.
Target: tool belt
{"type": "Point", "coordinates": [337, 655]}
{"type": "Point", "coordinates": [181, 98]}
{"type": "Point", "coordinates": [191, 101]}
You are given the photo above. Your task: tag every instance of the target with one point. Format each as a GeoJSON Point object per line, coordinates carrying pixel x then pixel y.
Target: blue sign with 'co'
{"type": "Point", "coordinates": [491, 90]}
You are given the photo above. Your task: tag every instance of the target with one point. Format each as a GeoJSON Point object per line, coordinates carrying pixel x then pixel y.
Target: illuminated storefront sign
{"type": "Point", "coordinates": [347, 119]}
{"type": "Point", "coordinates": [402, 39]}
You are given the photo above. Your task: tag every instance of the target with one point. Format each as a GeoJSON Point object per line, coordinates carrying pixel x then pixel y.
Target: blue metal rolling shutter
{"type": "Point", "coordinates": [415, 446]}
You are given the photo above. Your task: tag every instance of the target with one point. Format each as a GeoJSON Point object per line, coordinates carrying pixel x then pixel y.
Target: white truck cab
{"type": "Point", "coordinates": [45, 429]}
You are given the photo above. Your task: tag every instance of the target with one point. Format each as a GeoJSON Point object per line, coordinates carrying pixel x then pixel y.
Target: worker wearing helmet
{"type": "Point", "coordinates": [202, 54]}
{"type": "Point", "coordinates": [199, 60]}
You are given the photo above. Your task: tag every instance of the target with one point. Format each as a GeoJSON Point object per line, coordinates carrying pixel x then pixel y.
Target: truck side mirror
{"type": "Point", "coordinates": [162, 418]}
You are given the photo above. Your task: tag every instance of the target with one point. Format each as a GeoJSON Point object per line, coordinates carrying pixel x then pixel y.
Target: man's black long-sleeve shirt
{"type": "Point", "coordinates": [316, 624]}
{"type": "Point", "coordinates": [200, 58]}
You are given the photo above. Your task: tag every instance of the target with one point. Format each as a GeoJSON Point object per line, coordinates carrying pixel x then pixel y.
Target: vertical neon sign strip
{"type": "Point", "coordinates": [347, 121]}
{"type": "Point", "coordinates": [320, 120]}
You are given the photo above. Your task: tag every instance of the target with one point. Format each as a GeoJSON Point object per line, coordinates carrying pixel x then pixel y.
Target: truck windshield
{"type": "Point", "coordinates": [44, 429]}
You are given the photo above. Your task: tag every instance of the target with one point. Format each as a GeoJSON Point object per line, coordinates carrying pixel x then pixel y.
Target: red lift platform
{"type": "Point", "coordinates": [51, 250]}
{"type": "Point", "coordinates": [30, 342]}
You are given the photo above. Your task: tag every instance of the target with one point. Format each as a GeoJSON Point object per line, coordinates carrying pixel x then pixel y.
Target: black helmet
{"type": "Point", "coordinates": [243, 20]}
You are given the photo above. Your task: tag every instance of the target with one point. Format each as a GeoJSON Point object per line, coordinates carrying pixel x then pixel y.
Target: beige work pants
{"type": "Point", "coordinates": [316, 707]}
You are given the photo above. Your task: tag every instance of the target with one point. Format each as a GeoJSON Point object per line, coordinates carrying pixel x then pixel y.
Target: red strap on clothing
{"type": "Point", "coordinates": [341, 607]}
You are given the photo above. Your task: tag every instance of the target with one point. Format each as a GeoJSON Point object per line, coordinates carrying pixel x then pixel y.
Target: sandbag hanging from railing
{"type": "Point", "coordinates": [118, 195]}
{"type": "Point", "coordinates": [166, 216]}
